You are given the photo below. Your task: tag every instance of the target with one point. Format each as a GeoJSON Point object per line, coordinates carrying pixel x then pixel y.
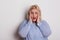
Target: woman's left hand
{"type": "Point", "coordinates": [38, 19]}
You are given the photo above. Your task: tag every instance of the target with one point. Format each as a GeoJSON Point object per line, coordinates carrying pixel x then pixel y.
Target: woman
{"type": "Point", "coordinates": [34, 28]}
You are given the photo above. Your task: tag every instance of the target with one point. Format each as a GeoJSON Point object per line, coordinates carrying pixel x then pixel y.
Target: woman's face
{"type": "Point", "coordinates": [34, 14]}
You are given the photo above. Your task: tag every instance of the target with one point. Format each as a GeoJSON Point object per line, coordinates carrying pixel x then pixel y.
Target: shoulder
{"type": "Point", "coordinates": [24, 21]}
{"type": "Point", "coordinates": [44, 25]}
{"type": "Point", "coordinates": [44, 22]}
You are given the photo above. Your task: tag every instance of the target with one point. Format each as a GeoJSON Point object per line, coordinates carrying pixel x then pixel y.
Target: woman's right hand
{"type": "Point", "coordinates": [30, 19]}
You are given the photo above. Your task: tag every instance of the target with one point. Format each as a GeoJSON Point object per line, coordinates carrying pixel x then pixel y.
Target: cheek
{"type": "Point", "coordinates": [31, 16]}
{"type": "Point", "coordinates": [36, 16]}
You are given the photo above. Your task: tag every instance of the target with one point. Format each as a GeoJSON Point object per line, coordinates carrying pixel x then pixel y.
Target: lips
{"type": "Point", "coordinates": [34, 18]}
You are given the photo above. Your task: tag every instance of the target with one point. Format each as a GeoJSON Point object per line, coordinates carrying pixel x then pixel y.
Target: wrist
{"type": "Point", "coordinates": [38, 23]}
{"type": "Point", "coordinates": [30, 21]}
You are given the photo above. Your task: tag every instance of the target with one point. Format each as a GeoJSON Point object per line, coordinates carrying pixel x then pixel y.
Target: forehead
{"type": "Point", "coordinates": [34, 10]}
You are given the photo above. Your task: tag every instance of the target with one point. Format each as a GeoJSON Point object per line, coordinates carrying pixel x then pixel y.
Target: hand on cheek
{"type": "Point", "coordinates": [30, 19]}
{"type": "Point", "coordinates": [38, 19]}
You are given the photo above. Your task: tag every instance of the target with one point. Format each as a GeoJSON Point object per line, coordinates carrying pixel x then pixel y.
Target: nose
{"type": "Point", "coordinates": [34, 14]}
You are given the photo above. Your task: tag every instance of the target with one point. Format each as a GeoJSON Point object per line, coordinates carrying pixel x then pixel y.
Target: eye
{"type": "Point", "coordinates": [32, 12]}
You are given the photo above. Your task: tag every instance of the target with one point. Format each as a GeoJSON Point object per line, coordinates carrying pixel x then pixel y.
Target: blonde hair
{"type": "Point", "coordinates": [34, 7]}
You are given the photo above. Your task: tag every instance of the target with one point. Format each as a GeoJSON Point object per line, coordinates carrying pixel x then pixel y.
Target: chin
{"type": "Point", "coordinates": [34, 20]}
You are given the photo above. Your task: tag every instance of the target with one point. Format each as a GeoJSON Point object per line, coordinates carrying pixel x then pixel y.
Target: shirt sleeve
{"type": "Point", "coordinates": [24, 28]}
{"type": "Point", "coordinates": [44, 28]}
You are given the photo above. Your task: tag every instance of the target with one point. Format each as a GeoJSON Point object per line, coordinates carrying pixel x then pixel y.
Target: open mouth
{"type": "Point", "coordinates": [34, 18]}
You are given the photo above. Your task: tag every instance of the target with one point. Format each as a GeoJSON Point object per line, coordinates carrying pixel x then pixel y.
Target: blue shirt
{"type": "Point", "coordinates": [30, 31]}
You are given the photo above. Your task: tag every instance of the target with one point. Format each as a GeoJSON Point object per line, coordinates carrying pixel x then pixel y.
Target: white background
{"type": "Point", "coordinates": [12, 13]}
